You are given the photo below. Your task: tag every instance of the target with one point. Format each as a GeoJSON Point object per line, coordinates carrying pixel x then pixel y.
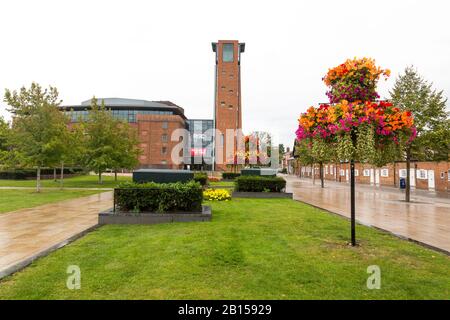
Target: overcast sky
{"type": "Point", "coordinates": [161, 50]}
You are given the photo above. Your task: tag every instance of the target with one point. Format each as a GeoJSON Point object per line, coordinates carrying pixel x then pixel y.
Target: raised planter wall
{"type": "Point", "coordinates": [162, 175]}
{"type": "Point", "coordinates": [109, 217]}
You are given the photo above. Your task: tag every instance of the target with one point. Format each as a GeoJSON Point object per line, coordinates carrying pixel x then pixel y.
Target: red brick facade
{"type": "Point", "coordinates": [424, 175]}
{"type": "Point", "coordinates": [228, 113]}
{"type": "Point", "coordinates": [155, 140]}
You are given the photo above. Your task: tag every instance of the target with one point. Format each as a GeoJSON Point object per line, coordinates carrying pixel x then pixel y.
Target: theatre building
{"type": "Point", "coordinates": [156, 121]}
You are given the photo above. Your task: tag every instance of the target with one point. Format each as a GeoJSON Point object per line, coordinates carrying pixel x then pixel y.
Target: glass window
{"type": "Point", "coordinates": [228, 52]}
{"type": "Point", "coordinates": [165, 125]}
{"type": "Point", "coordinates": [164, 150]}
{"type": "Point", "coordinates": [164, 138]}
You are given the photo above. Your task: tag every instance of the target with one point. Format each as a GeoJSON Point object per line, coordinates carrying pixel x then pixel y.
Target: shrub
{"type": "Point", "coordinates": [201, 177]}
{"type": "Point", "coordinates": [284, 170]}
{"type": "Point", "coordinates": [22, 174]}
{"type": "Point", "coordinates": [230, 175]}
{"type": "Point", "coordinates": [216, 195]}
{"type": "Point", "coordinates": [259, 184]}
{"type": "Point", "coordinates": [159, 197]}
{"type": "Point", "coordinates": [213, 179]}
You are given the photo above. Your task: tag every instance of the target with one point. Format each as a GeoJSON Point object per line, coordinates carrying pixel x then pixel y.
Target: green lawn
{"type": "Point", "coordinates": [11, 200]}
{"type": "Point", "coordinates": [253, 249]}
{"type": "Point", "coordinates": [85, 181]}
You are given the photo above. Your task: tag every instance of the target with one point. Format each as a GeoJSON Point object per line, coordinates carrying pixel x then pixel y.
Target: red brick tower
{"type": "Point", "coordinates": [227, 109]}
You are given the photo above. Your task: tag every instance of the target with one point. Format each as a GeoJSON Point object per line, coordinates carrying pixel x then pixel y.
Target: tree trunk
{"type": "Point", "coordinates": [115, 175]}
{"type": "Point", "coordinates": [100, 181]}
{"type": "Point", "coordinates": [38, 180]}
{"type": "Point", "coordinates": [408, 175]}
{"type": "Point", "coordinates": [313, 172]}
{"type": "Point", "coordinates": [321, 175]}
{"type": "Point", "coordinates": [61, 179]}
{"type": "Point", "coordinates": [54, 174]}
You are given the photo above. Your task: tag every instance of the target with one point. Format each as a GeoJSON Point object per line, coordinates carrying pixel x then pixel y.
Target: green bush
{"type": "Point", "coordinates": [259, 184]}
{"type": "Point", "coordinates": [230, 175]}
{"type": "Point", "coordinates": [201, 177]}
{"type": "Point", "coordinates": [22, 174]}
{"type": "Point", "coordinates": [159, 197]}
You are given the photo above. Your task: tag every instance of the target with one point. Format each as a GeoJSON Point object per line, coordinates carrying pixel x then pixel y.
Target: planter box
{"type": "Point", "coordinates": [264, 172]}
{"type": "Point", "coordinates": [162, 175]}
{"type": "Point", "coordinates": [109, 217]}
{"type": "Point", "coordinates": [261, 195]}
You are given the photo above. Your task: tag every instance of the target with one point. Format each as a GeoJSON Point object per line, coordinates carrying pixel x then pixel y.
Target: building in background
{"type": "Point", "coordinates": [155, 121]}
{"type": "Point", "coordinates": [227, 97]}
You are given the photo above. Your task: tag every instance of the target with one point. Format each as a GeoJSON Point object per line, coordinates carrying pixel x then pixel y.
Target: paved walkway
{"type": "Point", "coordinates": [426, 219]}
{"type": "Point", "coordinates": [27, 233]}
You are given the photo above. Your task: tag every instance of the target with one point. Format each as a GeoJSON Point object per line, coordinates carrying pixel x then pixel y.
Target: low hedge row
{"type": "Point", "coordinates": [230, 175]}
{"type": "Point", "coordinates": [159, 197]}
{"type": "Point", "coordinates": [201, 177]}
{"type": "Point", "coordinates": [21, 174]}
{"type": "Point", "coordinates": [259, 184]}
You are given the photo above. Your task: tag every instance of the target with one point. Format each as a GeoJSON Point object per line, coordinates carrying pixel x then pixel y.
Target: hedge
{"type": "Point", "coordinates": [259, 184]}
{"type": "Point", "coordinates": [201, 177]}
{"type": "Point", "coordinates": [22, 174]}
{"type": "Point", "coordinates": [230, 175]}
{"type": "Point", "coordinates": [159, 197]}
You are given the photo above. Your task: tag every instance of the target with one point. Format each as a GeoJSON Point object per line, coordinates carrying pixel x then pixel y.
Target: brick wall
{"type": "Point", "coordinates": [228, 98]}
{"type": "Point", "coordinates": [388, 175]}
{"type": "Point", "coordinates": [156, 149]}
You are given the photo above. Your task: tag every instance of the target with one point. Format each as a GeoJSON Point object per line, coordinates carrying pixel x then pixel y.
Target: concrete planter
{"type": "Point", "coordinates": [262, 195]}
{"type": "Point", "coordinates": [109, 217]}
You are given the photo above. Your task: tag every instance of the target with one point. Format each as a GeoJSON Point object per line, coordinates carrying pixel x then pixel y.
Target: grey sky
{"type": "Point", "coordinates": [161, 50]}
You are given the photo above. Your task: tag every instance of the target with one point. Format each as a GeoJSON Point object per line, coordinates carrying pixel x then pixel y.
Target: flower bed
{"type": "Point", "coordinates": [216, 195]}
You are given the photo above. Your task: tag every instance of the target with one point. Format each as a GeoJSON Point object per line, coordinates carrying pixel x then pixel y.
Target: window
{"type": "Point", "coordinates": [384, 173]}
{"type": "Point", "coordinates": [448, 175]}
{"type": "Point", "coordinates": [342, 172]}
{"type": "Point", "coordinates": [422, 174]}
{"type": "Point", "coordinates": [326, 169]}
{"type": "Point", "coordinates": [442, 175]}
{"type": "Point", "coordinates": [164, 150]}
{"type": "Point", "coordinates": [228, 52]}
{"type": "Point", "coordinates": [164, 162]}
{"type": "Point", "coordinates": [356, 172]}
{"type": "Point", "coordinates": [165, 125]}
{"type": "Point", "coordinates": [230, 106]}
{"type": "Point", "coordinates": [366, 173]}
{"type": "Point", "coordinates": [222, 87]}
{"type": "Point", "coordinates": [164, 138]}
{"type": "Point", "coordinates": [222, 103]}
{"type": "Point", "coordinates": [402, 173]}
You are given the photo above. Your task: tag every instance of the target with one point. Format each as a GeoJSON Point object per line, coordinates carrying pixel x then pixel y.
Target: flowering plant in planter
{"type": "Point", "coordinates": [354, 80]}
{"type": "Point", "coordinates": [354, 126]}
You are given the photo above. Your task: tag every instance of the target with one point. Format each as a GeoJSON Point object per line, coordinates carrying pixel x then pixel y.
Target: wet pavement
{"type": "Point", "coordinates": [29, 232]}
{"type": "Point", "coordinates": [426, 219]}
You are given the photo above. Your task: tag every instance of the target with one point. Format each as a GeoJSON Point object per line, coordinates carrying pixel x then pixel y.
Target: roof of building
{"type": "Point", "coordinates": [123, 103]}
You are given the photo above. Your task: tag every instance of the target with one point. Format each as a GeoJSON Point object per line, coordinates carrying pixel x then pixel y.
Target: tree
{"type": "Point", "coordinates": [126, 151]}
{"type": "Point", "coordinates": [38, 126]}
{"type": "Point", "coordinates": [74, 148]}
{"type": "Point", "coordinates": [302, 152]}
{"type": "Point", "coordinates": [281, 152]}
{"type": "Point", "coordinates": [428, 106]}
{"type": "Point", "coordinates": [321, 153]}
{"type": "Point", "coordinates": [109, 143]}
